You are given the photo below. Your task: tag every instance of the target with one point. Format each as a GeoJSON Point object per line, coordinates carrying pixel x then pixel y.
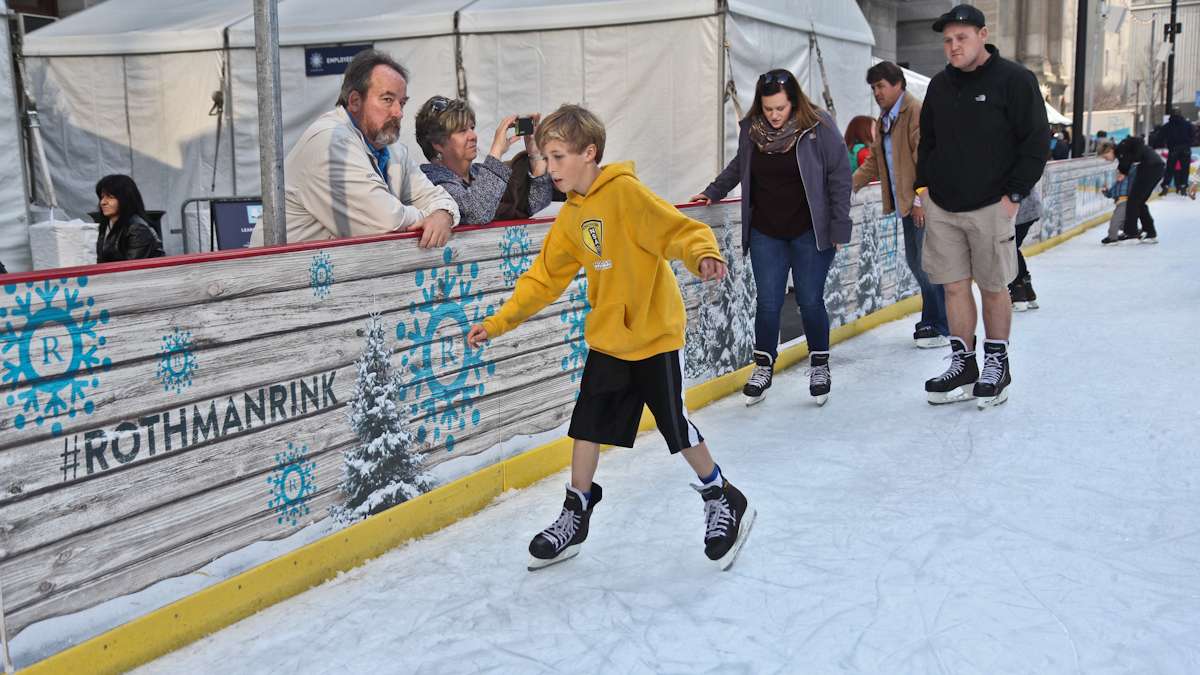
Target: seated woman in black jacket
{"type": "Point", "coordinates": [126, 235]}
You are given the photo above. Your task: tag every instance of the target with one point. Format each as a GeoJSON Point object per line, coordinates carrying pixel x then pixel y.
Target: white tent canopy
{"type": "Point", "coordinates": [655, 72]}
{"type": "Point", "coordinates": [14, 218]}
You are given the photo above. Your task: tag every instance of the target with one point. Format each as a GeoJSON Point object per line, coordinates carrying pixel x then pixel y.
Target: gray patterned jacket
{"type": "Point", "coordinates": [477, 200]}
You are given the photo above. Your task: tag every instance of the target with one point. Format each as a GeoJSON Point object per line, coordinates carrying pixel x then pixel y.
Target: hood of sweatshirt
{"type": "Point", "coordinates": [608, 173]}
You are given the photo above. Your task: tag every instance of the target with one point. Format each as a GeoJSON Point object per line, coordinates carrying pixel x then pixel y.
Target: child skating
{"type": "Point", "coordinates": [623, 235]}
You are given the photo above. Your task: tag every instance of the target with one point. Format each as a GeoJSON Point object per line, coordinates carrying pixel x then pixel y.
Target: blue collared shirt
{"type": "Point", "coordinates": [383, 156]}
{"type": "Point", "coordinates": [891, 116]}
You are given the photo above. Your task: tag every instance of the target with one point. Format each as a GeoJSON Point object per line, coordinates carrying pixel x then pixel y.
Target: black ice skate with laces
{"type": "Point", "coordinates": [561, 541]}
{"type": "Point", "coordinates": [956, 383]}
{"type": "Point", "coordinates": [760, 380]}
{"type": "Point", "coordinates": [728, 519]}
{"type": "Point", "coordinates": [992, 387]}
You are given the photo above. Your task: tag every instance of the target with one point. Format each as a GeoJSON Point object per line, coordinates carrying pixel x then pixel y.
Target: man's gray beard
{"type": "Point", "coordinates": [387, 137]}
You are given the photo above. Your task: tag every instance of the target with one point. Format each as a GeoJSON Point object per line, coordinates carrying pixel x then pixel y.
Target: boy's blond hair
{"type": "Point", "coordinates": [1105, 146]}
{"type": "Point", "coordinates": [574, 125]}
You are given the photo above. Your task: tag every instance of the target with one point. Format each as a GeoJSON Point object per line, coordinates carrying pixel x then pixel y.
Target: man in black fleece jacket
{"type": "Point", "coordinates": [984, 141]}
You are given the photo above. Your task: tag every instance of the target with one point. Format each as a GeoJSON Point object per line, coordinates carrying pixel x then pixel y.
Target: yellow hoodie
{"type": "Point", "coordinates": [622, 234]}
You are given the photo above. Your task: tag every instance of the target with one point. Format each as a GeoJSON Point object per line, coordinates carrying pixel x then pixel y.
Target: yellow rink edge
{"type": "Point", "coordinates": [191, 618]}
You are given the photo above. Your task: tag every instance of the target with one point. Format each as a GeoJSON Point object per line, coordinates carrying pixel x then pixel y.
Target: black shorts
{"type": "Point", "coordinates": [613, 392]}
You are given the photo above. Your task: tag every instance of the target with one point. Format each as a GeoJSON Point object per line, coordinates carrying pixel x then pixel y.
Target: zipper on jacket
{"type": "Point", "coordinates": [807, 203]}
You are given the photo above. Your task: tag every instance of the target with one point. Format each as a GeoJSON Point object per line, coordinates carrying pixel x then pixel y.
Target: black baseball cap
{"type": "Point", "coordinates": [962, 14]}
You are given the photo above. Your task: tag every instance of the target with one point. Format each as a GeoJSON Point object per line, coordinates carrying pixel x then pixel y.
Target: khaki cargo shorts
{"type": "Point", "coordinates": [978, 244]}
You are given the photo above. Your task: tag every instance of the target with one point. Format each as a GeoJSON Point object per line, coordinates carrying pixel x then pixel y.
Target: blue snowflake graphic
{"type": "Point", "coordinates": [575, 316]}
{"type": "Point", "coordinates": [320, 275]}
{"type": "Point", "coordinates": [177, 361]}
{"type": "Point", "coordinates": [515, 248]}
{"type": "Point", "coordinates": [52, 307]}
{"type": "Point", "coordinates": [451, 308]}
{"type": "Point", "coordinates": [292, 483]}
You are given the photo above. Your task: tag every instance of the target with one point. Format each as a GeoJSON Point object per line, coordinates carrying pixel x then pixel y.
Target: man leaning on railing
{"type": "Point", "coordinates": [347, 176]}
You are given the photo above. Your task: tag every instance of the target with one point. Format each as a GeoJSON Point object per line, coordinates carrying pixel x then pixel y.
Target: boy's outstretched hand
{"type": "Point", "coordinates": [712, 269]}
{"type": "Point", "coordinates": [477, 336]}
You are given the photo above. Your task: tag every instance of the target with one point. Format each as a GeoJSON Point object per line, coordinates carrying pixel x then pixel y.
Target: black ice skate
{"type": "Point", "coordinates": [955, 384]}
{"type": "Point", "coordinates": [562, 539]}
{"type": "Point", "coordinates": [760, 380]}
{"type": "Point", "coordinates": [819, 381]}
{"type": "Point", "coordinates": [728, 519]}
{"type": "Point", "coordinates": [992, 387]}
{"type": "Point", "coordinates": [927, 337]}
{"type": "Point", "coordinates": [1022, 294]}
{"type": "Point", "coordinates": [1148, 236]}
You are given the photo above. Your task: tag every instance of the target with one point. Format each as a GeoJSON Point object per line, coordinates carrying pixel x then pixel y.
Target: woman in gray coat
{"type": "Point", "coordinates": [446, 134]}
{"type": "Point", "coordinates": [795, 176]}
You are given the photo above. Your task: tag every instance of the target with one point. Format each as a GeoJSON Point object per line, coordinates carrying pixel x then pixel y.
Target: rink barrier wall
{"type": "Point", "coordinates": [865, 276]}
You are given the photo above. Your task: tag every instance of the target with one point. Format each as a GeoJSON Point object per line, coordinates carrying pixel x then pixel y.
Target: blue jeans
{"type": "Point", "coordinates": [772, 259]}
{"type": "Point", "coordinates": [933, 298]}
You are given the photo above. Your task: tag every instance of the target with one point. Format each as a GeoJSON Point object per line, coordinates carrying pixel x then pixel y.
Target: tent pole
{"type": "Point", "coordinates": [722, 12]}
{"type": "Point", "coordinates": [270, 129]}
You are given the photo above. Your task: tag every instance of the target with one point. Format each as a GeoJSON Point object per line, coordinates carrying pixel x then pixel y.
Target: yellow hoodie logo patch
{"type": "Point", "coordinates": [593, 233]}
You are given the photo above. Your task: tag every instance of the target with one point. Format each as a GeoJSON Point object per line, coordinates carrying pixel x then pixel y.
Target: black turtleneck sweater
{"type": "Point", "coordinates": [984, 134]}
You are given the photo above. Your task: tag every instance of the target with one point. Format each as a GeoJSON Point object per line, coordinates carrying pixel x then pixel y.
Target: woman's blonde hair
{"type": "Point", "coordinates": [437, 119]}
{"type": "Point", "coordinates": [1106, 146]}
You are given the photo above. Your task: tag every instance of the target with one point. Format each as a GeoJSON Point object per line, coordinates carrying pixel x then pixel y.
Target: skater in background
{"type": "Point", "coordinates": [1020, 290]}
{"type": "Point", "coordinates": [795, 176]}
{"type": "Point", "coordinates": [1129, 153]}
{"type": "Point", "coordinates": [1119, 193]}
{"type": "Point", "coordinates": [893, 162]}
{"type": "Point", "coordinates": [1176, 136]}
{"type": "Point", "coordinates": [984, 139]}
{"type": "Point", "coordinates": [623, 235]}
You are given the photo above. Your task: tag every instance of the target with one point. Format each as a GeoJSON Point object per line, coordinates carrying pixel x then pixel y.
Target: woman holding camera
{"type": "Point", "coordinates": [795, 175]}
{"type": "Point", "coordinates": [488, 190]}
{"type": "Point", "coordinates": [124, 232]}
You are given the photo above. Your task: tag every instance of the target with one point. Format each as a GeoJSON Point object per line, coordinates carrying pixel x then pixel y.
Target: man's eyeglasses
{"type": "Point", "coordinates": [773, 78]}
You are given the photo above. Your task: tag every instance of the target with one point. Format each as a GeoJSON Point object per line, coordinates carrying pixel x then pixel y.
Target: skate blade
{"type": "Point", "coordinates": [821, 399]}
{"type": "Point", "coordinates": [1148, 241]}
{"type": "Point", "coordinates": [726, 561]}
{"type": "Point", "coordinates": [932, 343]}
{"type": "Point", "coordinates": [755, 400]}
{"type": "Point", "coordinates": [953, 396]}
{"type": "Point", "coordinates": [992, 401]}
{"type": "Point", "coordinates": [1022, 306]}
{"type": "Point", "coordinates": [1033, 304]}
{"type": "Point", "coordinates": [540, 563]}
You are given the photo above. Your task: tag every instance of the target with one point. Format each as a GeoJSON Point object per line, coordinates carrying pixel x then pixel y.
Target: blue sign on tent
{"type": "Point", "coordinates": [329, 60]}
{"type": "Point", "coordinates": [1198, 99]}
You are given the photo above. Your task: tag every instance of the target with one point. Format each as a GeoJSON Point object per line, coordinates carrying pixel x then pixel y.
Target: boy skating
{"type": "Point", "coordinates": [622, 235]}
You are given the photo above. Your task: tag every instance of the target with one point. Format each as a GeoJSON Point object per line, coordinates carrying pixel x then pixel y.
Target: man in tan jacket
{"type": "Point", "coordinates": [347, 176]}
{"type": "Point", "coordinates": [893, 162]}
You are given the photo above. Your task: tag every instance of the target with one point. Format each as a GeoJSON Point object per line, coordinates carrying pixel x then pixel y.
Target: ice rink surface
{"type": "Point", "coordinates": [1058, 533]}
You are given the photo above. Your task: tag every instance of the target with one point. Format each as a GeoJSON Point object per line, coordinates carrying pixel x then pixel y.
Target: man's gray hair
{"type": "Point", "coordinates": [358, 73]}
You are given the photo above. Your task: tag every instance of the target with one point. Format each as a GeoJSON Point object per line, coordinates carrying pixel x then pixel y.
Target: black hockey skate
{"type": "Point", "coordinates": [563, 538]}
{"type": "Point", "coordinates": [1022, 294]}
{"type": "Point", "coordinates": [991, 389]}
{"type": "Point", "coordinates": [955, 384]}
{"type": "Point", "coordinates": [819, 381]}
{"type": "Point", "coordinates": [728, 519]}
{"type": "Point", "coordinates": [760, 380]}
{"type": "Point", "coordinates": [927, 337]}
